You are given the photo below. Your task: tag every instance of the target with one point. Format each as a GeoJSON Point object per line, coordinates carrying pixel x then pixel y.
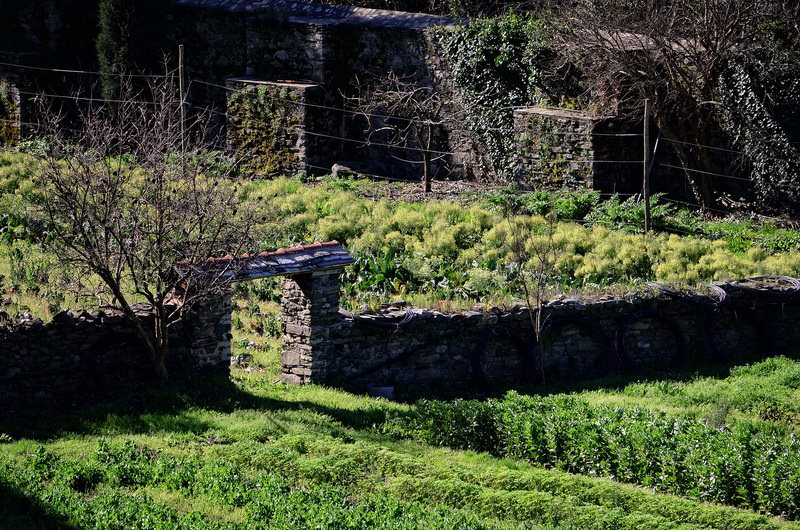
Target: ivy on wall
{"type": "Point", "coordinates": [498, 64]}
{"type": "Point", "coordinates": [263, 128]}
{"type": "Point", "coordinates": [9, 108]}
{"type": "Point", "coordinates": [762, 131]}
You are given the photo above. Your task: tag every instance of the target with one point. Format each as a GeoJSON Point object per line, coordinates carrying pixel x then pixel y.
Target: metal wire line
{"type": "Point", "coordinates": [67, 71]}
{"type": "Point", "coordinates": [356, 113]}
{"type": "Point", "coordinates": [689, 170]}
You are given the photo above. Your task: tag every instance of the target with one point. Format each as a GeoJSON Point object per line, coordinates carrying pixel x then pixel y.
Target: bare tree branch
{"type": "Point", "coordinates": [126, 204]}
{"type": "Point", "coordinates": [673, 53]}
{"type": "Point", "coordinates": [399, 111]}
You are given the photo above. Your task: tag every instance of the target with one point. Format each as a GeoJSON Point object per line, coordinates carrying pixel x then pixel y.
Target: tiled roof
{"type": "Point", "coordinates": [295, 260]}
{"type": "Point", "coordinates": [303, 12]}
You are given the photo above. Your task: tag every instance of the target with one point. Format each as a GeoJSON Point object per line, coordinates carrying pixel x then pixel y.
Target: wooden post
{"type": "Point", "coordinates": [646, 165]}
{"type": "Point", "coordinates": [182, 99]}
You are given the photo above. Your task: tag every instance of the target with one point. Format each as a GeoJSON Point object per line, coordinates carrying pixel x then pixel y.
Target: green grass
{"type": "Point", "coordinates": [252, 454]}
{"type": "Point", "coordinates": [767, 391]}
{"type": "Point", "coordinates": [249, 453]}
{"type": "Point", "coordinates": [437, 254]}
{"type": "Point", "coordinates": [730, 440]}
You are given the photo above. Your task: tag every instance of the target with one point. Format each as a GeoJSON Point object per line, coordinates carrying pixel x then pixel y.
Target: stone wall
{"type": "Point", "coordinates": [10, 111]}
{"type": "Point", "coordinates": [427, 352]}
{"type": "Point", "coordinates": [279, 128]}
{"type": "Point", "coordinates": [310, 313]}
{"type": "Point", "coordinates": [572, 149]}
{"type": "Point", "coordinates": [331, 47]}
{"type": "Point", "coordinates": [79, 356]}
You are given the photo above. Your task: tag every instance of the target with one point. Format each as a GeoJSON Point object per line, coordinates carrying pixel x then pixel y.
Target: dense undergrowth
{"type": "Point", "coordinates": [759, 470]}
{"type": "Point", "coordinates": [433, 251]}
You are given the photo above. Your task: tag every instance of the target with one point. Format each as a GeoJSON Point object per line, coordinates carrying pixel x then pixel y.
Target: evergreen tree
{"type": "Point", "coordinates": [113, 54]}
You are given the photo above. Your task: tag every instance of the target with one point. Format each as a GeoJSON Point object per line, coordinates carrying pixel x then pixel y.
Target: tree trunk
{"type": "Point", "coordinates": [161, 331]}
{"type": "Point", "coordinates": [426, 163]}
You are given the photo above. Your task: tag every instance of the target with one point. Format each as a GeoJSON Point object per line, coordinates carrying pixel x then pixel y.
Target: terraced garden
{"type": "Point", "coordinates": [713, 449]}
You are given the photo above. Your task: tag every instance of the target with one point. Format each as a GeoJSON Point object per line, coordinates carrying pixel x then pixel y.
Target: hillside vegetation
{"type": "Point", "coordinates": [432, 251]}
{"type": "Point", "coordinates": [251, 454]}
{"type": "Point", "coordinates": [248, 453]}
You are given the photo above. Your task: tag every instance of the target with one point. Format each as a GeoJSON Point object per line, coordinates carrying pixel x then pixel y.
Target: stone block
{"type": "Point", "coordinates": [295, 329]}
{"type": "Point", "coordinates": [290, 357]}
{"type": "Point", "coordinates": [292, 379]}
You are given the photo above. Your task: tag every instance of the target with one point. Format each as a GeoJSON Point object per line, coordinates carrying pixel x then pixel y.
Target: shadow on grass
{"type": "Point", "coordinates": [166, 408]}
{"type": "Point", "coordinates": [19, 512]}
{"type": "Point", "coordinates": [616, 382]}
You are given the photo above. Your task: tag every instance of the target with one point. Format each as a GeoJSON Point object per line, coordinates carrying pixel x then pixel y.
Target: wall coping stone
{"type": "Point", "coordinates": [326, 14]}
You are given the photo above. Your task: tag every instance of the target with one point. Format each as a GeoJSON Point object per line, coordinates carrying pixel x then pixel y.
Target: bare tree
{"type": "Point", "coordinates": [534, 252]}
{"type": "Point", "coordinates": [404, 114]}
{"type": "Point", "coordinates": [674, 53]}
{"type": "Point", "coordinates": [126, 203]}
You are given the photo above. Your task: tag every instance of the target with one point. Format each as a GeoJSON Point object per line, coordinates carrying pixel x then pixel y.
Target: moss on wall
{"type": "Point", "coordinates": [9, 114]}
{"type": "Point", "coordinates": [264, 128]}
{"type": "Point", "coordinates": [558, 150]}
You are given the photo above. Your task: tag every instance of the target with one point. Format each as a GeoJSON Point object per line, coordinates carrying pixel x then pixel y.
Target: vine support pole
{"type": "Point", "coordinates": [182, 99]}
{"type": "Point", "coordinates": [646, 165]}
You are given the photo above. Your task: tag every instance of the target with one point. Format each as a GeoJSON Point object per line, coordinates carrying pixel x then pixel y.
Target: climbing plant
{"type": "Point", "coordinates": [9, 129]}
{"type": "Point", "coordinates": [498, 64]}
{"type": "Point", "coordinates": [113, 55]}
{"type": "Point", "coordinates": [263, 124]}
{"type": "Point", "coordinates": [675, 54]}
{"type": "Point", "coordinates": [558, 158]}
{"type": "Point", "coordinates": [759, 118]}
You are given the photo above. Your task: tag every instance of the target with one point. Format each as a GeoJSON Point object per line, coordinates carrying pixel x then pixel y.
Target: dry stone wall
{"type": "Point", "coordinates": [309, 310]}
{"type": "Point", "coordinates": [428, 352]}
{"type": "Point", "coordinates": [331, 47]}
{"type": "Point", "coordinates": [278, 128]}
{"type": "Point", "coordinates": [79, 356]}
{"type": "Point", "coordinates": [560, 148]}
{"type": "Point", "coordinates": [572, 149]}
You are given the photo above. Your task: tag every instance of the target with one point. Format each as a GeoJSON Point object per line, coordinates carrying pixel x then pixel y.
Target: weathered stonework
{"type": "Point", "coordinates": [278, 128]}
{"type": "Point", "coordinates": [559, 148]}
{"type": "Point", "coordinates": [329, 47]}
{"type": "Point", "coordinates": [427, 352]}
{"type": "Point", "coordinates": [309, 311]}
{"type": "Point", "coordinates": [10, 111]}
{"type": "Point", "coordinates": [79, 356]}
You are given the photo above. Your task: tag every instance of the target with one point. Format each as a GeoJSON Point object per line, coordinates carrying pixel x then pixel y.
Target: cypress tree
{"type": "Point", "coordinates": [113, 54]}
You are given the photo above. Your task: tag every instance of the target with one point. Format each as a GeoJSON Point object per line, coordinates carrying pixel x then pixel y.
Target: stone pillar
{"type": "Point", "coordinates": [268, 121]}
{"type": "Point", "coordinates": [10, 111]}
{"type": "Point", "coordinates": [204, 337]}
{"type": "Point", "coordinates": [309, 310]}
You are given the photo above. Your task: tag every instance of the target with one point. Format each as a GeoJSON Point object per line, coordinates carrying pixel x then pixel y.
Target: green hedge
{"type": "Point", "coordinates": [745, 468]}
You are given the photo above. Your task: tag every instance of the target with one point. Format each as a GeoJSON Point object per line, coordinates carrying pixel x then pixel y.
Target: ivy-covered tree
{"type": "Point", "coordinates": [675, 53]}
{"type": "Point", "coordinates": [761, 112]}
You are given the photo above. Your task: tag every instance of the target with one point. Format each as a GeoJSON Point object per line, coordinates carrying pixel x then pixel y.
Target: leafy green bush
{"type": "Point", "coordinates": [629, 215]}
{"type": "Point", "coordinates": [56, 485]}
{"type": "Point", "coordinates": [567, 205]}
{"type": "Point", "coordinates": [742, 235]}
{"type": "Point", "coordinates": [681, 456]}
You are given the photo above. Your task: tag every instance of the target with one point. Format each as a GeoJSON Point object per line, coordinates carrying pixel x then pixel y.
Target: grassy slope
{"type": "Point", "coordinates": [312, 439]}
{"type": "Point", "coordinates": [317, 441]}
